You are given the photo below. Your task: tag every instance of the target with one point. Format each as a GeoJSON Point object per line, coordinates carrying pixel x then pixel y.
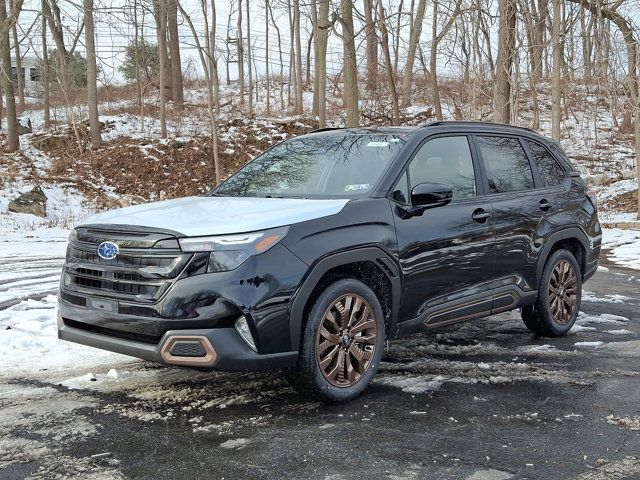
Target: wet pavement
{"type": "Point", "coordinates": [482, 400]}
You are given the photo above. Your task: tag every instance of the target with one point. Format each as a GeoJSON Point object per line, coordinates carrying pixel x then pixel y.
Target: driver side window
{"type": "Point", "coordinates": [445, 160]}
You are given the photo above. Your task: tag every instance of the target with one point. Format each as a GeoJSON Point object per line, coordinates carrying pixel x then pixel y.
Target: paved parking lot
{"type": "Point", "coordinates": [484, 400]}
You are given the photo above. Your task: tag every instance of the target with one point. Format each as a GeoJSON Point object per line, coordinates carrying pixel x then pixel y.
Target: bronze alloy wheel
{"type": "Point", "coordinates": [346, 340]}
{"type": "Point", "coordinates": [562, 292]}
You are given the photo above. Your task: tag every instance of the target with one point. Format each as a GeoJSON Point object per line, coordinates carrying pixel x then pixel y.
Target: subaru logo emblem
{"type": "Point", "coordinates": [108, 250]}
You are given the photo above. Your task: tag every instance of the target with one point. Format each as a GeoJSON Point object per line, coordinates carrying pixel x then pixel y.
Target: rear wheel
{"type": "Point", "coordinates": [559, 296]}
{"type": "Point", "coordinates": [342, 343]}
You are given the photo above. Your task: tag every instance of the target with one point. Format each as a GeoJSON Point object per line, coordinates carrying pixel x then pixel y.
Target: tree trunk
{"type": "Point", "coordinates": [321, 72]}
{"type": "Point", "coordinates": [13, 143]}
{"type": "Point", "coordinates": [414, 37]}
{"type": "Point", "coordinates": [371, 46]}
{"type": "Point", "coordinates": [556, 77]}
{"type": "Point", "coordinates": [44, 71]}
{"type": "Point", "coordinates": [177, 81]}
{"type": "Point", "coordinates": [18, 65]}
{"type": "Point", "coordinates": [298, 57]}
{"type": "Point", "coordinates": [350, 65]}
{"type": "Point", "coordinates": [436, 38]}
{"type": "Point", "coordinates": [314, 27]}
{"type": "Point", "coordinates": [92, 73]}
{"type": "Point", "coordinates": [249, 60]}
{"type": "Point", "coordinates": [384, 41]}
{"type": "Point", "coordinates": [240, 46]}
{"type": "Point", "coordinates": [161, 33]}
{"type": "Point", "coordinates": [266, 59]}
{"type": "Point", "coordinates": [504, 63]}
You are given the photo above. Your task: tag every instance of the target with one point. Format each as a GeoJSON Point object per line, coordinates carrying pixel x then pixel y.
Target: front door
{"type": "Point", "coordinates": [446, 253]}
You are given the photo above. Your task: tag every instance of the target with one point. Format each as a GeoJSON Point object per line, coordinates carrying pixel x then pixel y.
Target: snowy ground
{"type": "Point", "coordinates": [482, 400]}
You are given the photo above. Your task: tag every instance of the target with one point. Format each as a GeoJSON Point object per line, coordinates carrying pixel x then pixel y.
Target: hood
{"type": "Point", "coordinates": [199, 216]}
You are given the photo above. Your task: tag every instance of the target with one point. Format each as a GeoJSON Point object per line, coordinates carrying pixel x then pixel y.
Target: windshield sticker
{"type": "Point", "coordinates": [356, 187]}
{"type": "Point", "coordinates": [378, 144]}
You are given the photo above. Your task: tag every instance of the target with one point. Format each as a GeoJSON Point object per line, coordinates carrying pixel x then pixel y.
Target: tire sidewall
{"type": "Point", "coordinates": [556, 328]}
{"type": "Point", "coordinates": [324, 301]}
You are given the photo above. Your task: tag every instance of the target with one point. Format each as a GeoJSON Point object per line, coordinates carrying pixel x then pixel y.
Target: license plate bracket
{"type": "Point", "coordinates": [102, 305]}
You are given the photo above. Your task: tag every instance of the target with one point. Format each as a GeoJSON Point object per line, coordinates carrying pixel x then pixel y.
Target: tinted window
{"type": "Point", "coordinates": [508, 169]}
{"type": "Point", "coordinates": [340, 165]}
{"type": "Point", "coordinates": [445, 160]}
{"type": "Point", "coordinates": [551, 172]}
{"type": "Point", "coordinates": [401, 192]}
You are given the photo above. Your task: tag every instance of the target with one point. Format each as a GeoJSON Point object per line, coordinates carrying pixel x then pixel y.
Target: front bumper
{"type": "Point", "coordinates": [229, 351]}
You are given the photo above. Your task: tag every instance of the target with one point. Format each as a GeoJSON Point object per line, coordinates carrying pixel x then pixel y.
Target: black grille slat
{"type": "Point", "coordinates": [140, 275]}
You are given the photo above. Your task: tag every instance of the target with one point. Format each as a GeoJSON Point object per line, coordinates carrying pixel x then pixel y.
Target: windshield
{"type": "Point", "coordinates": [341, 166]}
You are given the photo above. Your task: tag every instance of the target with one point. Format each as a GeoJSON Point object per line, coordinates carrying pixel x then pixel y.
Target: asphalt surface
{"type": "Point", "coordinates": [482, 400]}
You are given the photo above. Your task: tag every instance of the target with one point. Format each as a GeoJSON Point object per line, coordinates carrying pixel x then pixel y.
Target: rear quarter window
{"type": "Point", "coordinates": [550, 170]}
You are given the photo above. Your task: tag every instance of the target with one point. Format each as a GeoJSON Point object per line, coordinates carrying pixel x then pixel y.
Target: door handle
{"type": "Point", "coordinates": [545, 204]}
{"type": "Point", "coordinates": [480, 215]}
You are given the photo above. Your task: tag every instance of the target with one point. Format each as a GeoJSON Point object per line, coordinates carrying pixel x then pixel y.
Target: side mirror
{"type": "Point", "coordinates": [430, 195]}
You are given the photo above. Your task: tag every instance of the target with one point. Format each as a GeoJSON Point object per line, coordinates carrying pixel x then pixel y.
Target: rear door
{"type": "Point", "coordinates": [520, 202]}
{"type": "Point", "coordinates": [446, 253]}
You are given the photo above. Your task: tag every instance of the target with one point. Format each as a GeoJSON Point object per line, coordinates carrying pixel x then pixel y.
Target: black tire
{"type": "Point", "coordinates": [543, 318]}
{"type": "Point", "coordinates": [307, 376]}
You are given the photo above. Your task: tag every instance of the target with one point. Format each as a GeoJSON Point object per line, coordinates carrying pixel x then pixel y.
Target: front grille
{"type": "Point", "coordinates": [138, 275]}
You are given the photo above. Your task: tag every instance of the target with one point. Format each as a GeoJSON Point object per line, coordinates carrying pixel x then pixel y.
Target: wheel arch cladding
{"type": "Point", "coordinates": [370, 265]}
{"type": "Point", "coordinates": [571, 239]}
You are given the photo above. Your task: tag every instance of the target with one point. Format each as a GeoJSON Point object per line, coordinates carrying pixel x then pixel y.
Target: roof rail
{"type": "Point", "coordinates": [467, 122]}
{"type": "Point", "coordinates": [325, 129]}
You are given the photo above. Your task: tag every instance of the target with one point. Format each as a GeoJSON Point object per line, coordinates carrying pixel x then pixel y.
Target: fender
{"type": "Point", "coordinates": [380, 257]}
{"type": "Point", "coordinates": [564, 234]}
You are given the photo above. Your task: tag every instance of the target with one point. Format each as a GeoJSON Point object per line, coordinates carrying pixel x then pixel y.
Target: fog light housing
{"type": "Point", "coordinates": [242, 327]}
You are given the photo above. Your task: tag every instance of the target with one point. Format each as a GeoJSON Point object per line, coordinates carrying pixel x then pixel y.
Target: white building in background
{"type": "Point", "coordinates": [30, 73]}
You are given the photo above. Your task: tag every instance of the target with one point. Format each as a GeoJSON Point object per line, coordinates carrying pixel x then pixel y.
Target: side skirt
{"type": "Point", "coordinates": [468, 308]}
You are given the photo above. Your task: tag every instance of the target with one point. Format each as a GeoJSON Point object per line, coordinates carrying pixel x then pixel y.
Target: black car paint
{"type": "Point", "coordinates": [441, 264]}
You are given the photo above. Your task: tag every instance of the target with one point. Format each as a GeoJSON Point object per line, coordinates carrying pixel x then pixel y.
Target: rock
{"type": "Point", "coordinates": [24, 126]}
{"type": "Point", "coordinates": [33, 202]}
{"type": "Point", "coordinates": [129, 200]}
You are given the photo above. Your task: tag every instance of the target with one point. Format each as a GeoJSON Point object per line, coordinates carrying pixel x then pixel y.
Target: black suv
{"type": "Point", "coordinates": [326, 245]}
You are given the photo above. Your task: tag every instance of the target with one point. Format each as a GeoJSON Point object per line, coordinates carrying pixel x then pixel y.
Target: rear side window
{"type": "Point", "coordinates": [551, 172]}
{"type": "Point", "coordinates": [507, 166]}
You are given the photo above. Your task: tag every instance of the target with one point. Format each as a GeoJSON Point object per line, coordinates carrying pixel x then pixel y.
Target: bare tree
{"type": "Point", "coordinates": [266, 59]}
{"type": "Point", "coordinates": [92, 73]}
{"type": "Point", "coordinates": [384, 42]}
{"type": "Point", "coordinates": [504, 64]}
{"type": "Point", "coordinates": [161, 33]}
{"type": "Point", "coordinates": [321, 71]}
{"type": "Point", "coordinates": [556, 77]}
{"type": "Point", "coordinates": [18, 63]}
{"type": "Point", "coordinates": [350, 71]}
{"type": "Point", "coordinates": [240, 41]}
{"type": "Point", "coordinates": [298, 58]}
{"type": "Point", "coordinates": [414, 37]}
{"type": "Point", "coordinates": [7, 21]}
{"type": "Point", "coordinates": [177, 82]}
{"type": "Point", "coordinates": [249, 60]}
{"type": "Point", "coordinates": [371, 45]}
{"type": "Point", "coordinates": [44, 71]}
{"type": "Point", "coordinates": [436, 38]}
{"type": "Point", "coordinates": [633, 79]}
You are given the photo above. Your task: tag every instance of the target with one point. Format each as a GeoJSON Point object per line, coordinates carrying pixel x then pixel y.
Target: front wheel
{"type": "Point", "coordinates": [559, 297]}
{"type": "Point", "coordinates": [342, 343]}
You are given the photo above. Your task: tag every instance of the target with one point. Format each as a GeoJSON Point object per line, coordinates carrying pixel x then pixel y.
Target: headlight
{"type": "Point", "coordinates": [230, 251]}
